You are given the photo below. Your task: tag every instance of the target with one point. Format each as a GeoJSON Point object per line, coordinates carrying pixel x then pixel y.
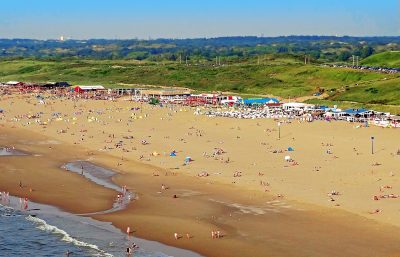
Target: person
{"type": "Point", "coordinates": [68, 253]}
{"type": "Point", "coordinates": [176, 236]}
{"type": "Point", "coordinates": [128, 251]}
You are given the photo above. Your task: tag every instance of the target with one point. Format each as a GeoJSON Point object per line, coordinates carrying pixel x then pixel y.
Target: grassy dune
{"type": "Point", "coordinates": [385, 59]}
{"type": "Point", "coordinates": [283, 77]}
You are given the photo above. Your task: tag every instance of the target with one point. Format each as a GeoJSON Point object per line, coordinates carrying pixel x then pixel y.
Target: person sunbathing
{"type": "Point", "coordinates": [375, 211]}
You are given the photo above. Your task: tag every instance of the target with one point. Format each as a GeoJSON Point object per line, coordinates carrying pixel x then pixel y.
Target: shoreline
{"type": "Point", "coordinates": [42, 212]}
{"type": "Point", "coordinates": [102, 177]}
{"type": "Point", "coordinates": [251, 209]}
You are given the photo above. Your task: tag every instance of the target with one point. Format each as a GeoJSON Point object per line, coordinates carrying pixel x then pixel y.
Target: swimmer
{"type": "Point", "coordinates": [128, 251]}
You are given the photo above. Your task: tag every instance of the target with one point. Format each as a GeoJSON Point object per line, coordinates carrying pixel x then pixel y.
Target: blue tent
{"type": "Point", "coordinates": [172, 154]}
{"type": "Point", "coordinates": [290, 149]}
{"type": "Point", "coordinates": [255, 101]}
{"type": "Point", "coordinates": [355, 111]}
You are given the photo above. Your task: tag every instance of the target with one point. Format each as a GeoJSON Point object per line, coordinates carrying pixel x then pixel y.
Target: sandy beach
{"type": "Point", "coordinates": [335, 198]}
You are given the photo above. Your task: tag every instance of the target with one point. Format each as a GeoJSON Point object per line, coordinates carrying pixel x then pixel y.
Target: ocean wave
{"type": "Point", "coordinates": [42, 225]}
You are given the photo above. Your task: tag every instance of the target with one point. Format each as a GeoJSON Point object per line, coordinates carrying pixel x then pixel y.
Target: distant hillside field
{"type": "Point", "coordinates": [282, 76]}
{"type": "Point", "coordinates": [234, 49]}
{"type": "Point", "coordinates": [385, 59]}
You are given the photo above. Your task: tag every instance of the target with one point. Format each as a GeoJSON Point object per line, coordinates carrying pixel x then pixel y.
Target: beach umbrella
{"type": "Point", "coordinates": [287, 158]}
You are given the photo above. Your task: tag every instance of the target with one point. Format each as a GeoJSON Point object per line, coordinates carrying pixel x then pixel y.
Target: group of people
{"type": "Point", "coordinates": [23, 203]}
{"type": "Point", "coordinates": [130, 249]}
{"type": "Point", "coordinates": [5, 197]}
{"type": "Point", "coordinates": [216, 234]}
{"type": "Point", "coordinates": [177, 236]}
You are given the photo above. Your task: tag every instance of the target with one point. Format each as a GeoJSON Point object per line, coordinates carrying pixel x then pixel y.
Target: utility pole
{"type": "Point", "coordinates": [180, 59]}
{"type": "Point", "coordinates": [219, 60]}
{"type": "Point", "coordinates": [279, 130]}
{"type": "Point", "coordinates": [305, 60]}
{"type": "Point", "coordinates": [353, 60]}
{"type": "Point", "coordinates": [372, 145]}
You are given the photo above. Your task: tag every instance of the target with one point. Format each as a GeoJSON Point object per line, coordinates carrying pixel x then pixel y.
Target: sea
{"type": "Point", "coordinates": [44, 230]}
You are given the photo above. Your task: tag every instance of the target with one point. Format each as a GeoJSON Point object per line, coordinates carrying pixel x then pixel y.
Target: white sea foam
{"type": "Point", "coordinates": [249, 209]}
{"type": "Point", "coordinates": [42, 225]}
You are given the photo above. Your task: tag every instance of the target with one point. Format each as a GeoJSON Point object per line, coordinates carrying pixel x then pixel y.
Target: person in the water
{"type": "Point", "coordinates": [68, 253]}
{"type": "Point", "coordinates": [128, 251]}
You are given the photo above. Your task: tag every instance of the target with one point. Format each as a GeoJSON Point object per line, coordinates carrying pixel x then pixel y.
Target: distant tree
{"type": "Point", "coordinates": [172, 57]}
{"type": "Point", "coordinates": [344, 56]}
{"type": "Point", "coordinates": [282, 49]}
{"type": "Point", "coordinates": [366, 51]}
{"type": "Point", "coordinates": [315, 54]}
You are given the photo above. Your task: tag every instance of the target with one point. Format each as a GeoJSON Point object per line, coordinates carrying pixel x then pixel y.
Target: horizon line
{"type": "Point", "coordinates": [194, 38]}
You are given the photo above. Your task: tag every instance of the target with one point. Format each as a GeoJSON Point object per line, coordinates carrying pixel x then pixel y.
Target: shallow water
{"type": "Point", "coordinates": [96, 174]}
{"type": "Point", "coordinates": [43, 230]}
{"type": "Point", "coordinates": [101, 176]}
{"type": "Point", "coordinates": [10, 152]}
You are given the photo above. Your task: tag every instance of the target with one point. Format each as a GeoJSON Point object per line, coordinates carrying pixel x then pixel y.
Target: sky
{"type": "Point", "coordinates": [144, 19]}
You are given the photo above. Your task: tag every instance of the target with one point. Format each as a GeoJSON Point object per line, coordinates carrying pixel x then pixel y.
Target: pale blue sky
{"type": "Point", "coordinates": [82, 19]}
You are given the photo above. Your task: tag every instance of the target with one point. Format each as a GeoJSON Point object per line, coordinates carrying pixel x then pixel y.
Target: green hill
{"type": "Point", "coordinates": [282, 76]}
{"type": "Point", "coordinates": [385, 59]}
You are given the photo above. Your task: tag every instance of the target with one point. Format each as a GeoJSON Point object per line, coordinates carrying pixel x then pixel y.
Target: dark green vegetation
{"type": "Point", "coordinates": [202, 50]}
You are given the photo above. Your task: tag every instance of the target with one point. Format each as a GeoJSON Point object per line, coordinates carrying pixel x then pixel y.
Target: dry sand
{"type": "Point", "coordinates": [295, 217]}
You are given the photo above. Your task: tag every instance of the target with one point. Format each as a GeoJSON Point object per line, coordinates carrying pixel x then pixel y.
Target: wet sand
{"type": "Point", "coordinates": [304, 222]}
{"type": "Point", "coordinates": [103, 177]}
